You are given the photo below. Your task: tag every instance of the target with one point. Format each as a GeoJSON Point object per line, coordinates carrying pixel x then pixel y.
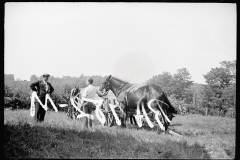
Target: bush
{"type": "Point", "coordinates": [8, 102]}
{"type": "Point", "coordinates": [12, 102]}
{"type": "Point", "coordinates": [194, 110]}
{"type": "Point", "coordinates": [213, 112]}
{"type": "Point", "coordinates": [26, 103]}
{"type": "Point", "coordinates": [201, 111]}
{"type": "Point", "coordinates": [231, 113]}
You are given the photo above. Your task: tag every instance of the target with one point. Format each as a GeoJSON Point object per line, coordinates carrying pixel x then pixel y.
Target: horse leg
{"type": "Point", "coordinates": [123, 115]}
{"type": "Point", "coordinates": [124, 119]}
{"type": "Point", "coordinates": [135, 122]}
{"type": "Point", "coordinates": [131, 119]}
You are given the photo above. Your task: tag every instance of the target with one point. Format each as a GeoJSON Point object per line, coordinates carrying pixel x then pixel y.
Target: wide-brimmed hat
{"type": "Point", "coordinates": [46, 75]}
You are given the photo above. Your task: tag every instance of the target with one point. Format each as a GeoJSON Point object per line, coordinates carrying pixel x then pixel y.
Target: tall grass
{"type": "Point", "coordinates": [60, 137]}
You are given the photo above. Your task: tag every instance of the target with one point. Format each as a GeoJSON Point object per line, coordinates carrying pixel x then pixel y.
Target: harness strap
{"type": "Point", "coordinates": [127, 92]}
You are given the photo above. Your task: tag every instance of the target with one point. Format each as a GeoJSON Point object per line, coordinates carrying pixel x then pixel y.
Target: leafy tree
{"type": "Point", "coordinates": [218, 78]}
{"type": "Point", "coordinates": [65, 93]}
{"type": "Point", "coordinates": [8, 91]}
{"type": "Point", "coordinates": [229, 92]}
{"type": "Point", "coordinates": [163, 80]}
{"type": "Point", "coordinates": [197, 94]}
{"type": "Point", "coordinates": [221, 77]}
{"type": "Point", "coordinates": [229, 96]}
{"type": "Point", "coordinates": [9, 77]}
{"type": "Point", "coordinates": [188, 95]}
{"type": "Point", "coordinates": [180, 82]}
{"type": "Point", "coordinates": [9, 80]}
{"type": "Point", "coordinates": [33, 78]}
{"type": "Point", "coordinates": [221, 84]}
{"type": "Point", "coordinates": [231, 69]}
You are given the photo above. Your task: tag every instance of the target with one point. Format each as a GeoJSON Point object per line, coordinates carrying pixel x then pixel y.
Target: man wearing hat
{"type": "Point", "coordinates": [42, 87]}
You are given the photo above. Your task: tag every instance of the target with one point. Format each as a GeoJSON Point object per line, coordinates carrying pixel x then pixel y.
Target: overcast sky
{"type": "Point", "coordinates": [133, 41]}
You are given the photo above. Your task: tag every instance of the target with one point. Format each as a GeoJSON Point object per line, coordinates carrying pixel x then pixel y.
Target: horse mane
{"type": "Point", "coordinates": [118, 79]}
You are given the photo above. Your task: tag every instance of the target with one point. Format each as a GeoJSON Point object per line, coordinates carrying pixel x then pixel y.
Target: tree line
{"type": "Point", "coordinates": [215, 97]}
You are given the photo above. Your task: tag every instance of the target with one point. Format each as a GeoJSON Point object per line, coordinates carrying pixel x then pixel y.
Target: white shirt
{"type": "Point", "coordinates": [89, 92]}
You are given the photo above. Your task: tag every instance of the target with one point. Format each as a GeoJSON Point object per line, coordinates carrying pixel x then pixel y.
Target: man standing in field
{"type": "Point", "coordinates": [89, 92]}
{"type": "Point", "coordinates": [42, 87]}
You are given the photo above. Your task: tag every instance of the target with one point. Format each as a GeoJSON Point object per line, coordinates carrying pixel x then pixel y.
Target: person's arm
{"type": "Point", "coordinates": [51, 88]}
{"type": "Point", "coordinates": [84, 94]}
{"type": "Point", "coordinates": [100, 94]}
{"type": "Point", "coordinates": [34, 85]}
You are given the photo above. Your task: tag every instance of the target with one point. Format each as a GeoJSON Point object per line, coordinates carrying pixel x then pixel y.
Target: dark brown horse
{"type": "Point", "coordinates": [130, 96]}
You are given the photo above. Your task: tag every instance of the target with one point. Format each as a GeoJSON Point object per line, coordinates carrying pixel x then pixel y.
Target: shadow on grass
{"type": "Point", "coordinates": [177, 124]}
{"type": "Point", "coordinates": [155, 128]}
{"type": "Point", "coordinates": [23, 141]}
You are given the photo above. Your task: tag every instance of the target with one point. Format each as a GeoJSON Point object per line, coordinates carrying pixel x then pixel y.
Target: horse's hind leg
{"type": "Point", "coordinates": [123, 115]}
{"type": "Point", "coordinates": [132, 119]}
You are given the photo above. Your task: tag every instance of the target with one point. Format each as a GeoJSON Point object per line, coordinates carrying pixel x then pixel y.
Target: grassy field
{"type": "Point", "coordinates": [60, 137]}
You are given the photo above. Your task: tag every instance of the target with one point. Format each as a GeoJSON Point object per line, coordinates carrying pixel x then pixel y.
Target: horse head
{"type": "Point", "coordinates": [75, 91]}
{"type": "Point", "coordinates": [105, 86]}
{"type": "Point", "coordinates": [167, 106]}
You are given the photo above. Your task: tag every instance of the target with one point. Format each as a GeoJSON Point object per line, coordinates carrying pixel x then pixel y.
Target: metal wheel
{"type": "Point", "coordinates": [76, 113]}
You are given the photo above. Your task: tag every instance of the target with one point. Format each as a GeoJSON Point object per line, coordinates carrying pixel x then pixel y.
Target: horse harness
{"type": "Point", "coordinates": [127, 93]}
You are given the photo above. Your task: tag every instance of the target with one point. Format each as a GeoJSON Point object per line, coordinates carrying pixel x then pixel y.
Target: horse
{"type": "Point", "coordinates": [131, 96]}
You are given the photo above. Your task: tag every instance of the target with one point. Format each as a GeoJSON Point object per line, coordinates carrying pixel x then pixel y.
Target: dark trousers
{"type": "Point", "coordinates": [39, 111]}
{"type": "Point", "coordinates": [87, 108]}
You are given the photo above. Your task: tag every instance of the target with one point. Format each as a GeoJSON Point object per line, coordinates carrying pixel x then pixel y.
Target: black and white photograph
{"type": "Point", "coordinates": [120, 80]}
